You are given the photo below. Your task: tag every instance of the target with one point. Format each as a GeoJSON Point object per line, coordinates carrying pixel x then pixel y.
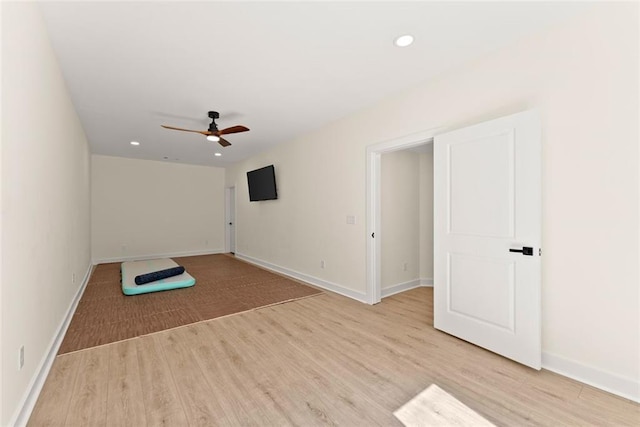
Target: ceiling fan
{"type": "Point", "coordinates": [213, 134]}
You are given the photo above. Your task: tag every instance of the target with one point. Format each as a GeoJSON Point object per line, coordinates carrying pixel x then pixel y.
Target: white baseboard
{"type": "Point", "coordinates": [405, 286]}
{"type": "Point", "coordinates": [155, 256]}
{"type": "Point", "coordinates": [399, 287]}
{"type": "Point", "coordinates": [28, 401]}
{"type": "Point", "coordinates": [426, 282]}
{"type": "Point", "coordinates": [621, 386]}
{"type": "Point", "coordinates": [333, 287]}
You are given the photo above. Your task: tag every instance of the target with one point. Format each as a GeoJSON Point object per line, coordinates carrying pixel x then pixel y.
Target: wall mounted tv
{"type": "Point", "coordinates": [262, 184]}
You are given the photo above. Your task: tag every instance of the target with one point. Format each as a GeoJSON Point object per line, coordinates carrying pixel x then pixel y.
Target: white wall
{"type": "Point", "coordinates": [45, 200]}
{"type": "Point", "coordinates": [143, 208]}
{"type": "Point", "coordinates": [307, 224]}
{"type": "Point", "coordinates": [1, 209]}
{"type": "Point", "coordinates": [583, 77]}
{"type": "Point", "coordinates": [2, 33]}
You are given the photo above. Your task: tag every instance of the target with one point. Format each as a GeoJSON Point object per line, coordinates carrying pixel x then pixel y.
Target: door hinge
{"type": "Point", "coordinates": [539, 251]}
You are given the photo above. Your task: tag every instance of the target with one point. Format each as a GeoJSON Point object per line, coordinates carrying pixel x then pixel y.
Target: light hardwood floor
{"type": "Point", "coordinates": [323, 360]}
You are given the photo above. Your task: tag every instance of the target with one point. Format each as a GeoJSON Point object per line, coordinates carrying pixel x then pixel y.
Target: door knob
{"type": "Point", "coordinates": [526, 250]}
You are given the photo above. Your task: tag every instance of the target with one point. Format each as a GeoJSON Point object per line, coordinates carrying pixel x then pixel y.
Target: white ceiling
{"type": "Point", "coordinates": [281, 68]}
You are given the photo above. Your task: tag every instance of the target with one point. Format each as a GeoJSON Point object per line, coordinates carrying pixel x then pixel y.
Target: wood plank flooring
{"type": "Point", "coordinates": [326, 360]}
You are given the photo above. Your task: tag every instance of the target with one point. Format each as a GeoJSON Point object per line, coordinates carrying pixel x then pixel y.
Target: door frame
{"type": "Point", "coordinates": [373, 293]}
{"type": "Point", "coordinates": [227, 217]}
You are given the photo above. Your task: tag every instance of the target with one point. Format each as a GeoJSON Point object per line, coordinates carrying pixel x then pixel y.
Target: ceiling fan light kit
{"type": "Point", "coordinates": [213, 134]}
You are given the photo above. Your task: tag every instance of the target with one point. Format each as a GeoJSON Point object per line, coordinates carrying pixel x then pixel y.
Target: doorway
{"type": "Point", "coordinates": [374, 211]}
{"type": "Point", "coordinates": [487, 232]}
{"type": "Point", "coordinates": [230, 217]}
{"type": "Point", "coordinates": [406, 219]}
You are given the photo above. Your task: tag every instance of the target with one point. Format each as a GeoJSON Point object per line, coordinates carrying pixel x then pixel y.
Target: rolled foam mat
{"type": "Point", "coordinates": [158, 275]}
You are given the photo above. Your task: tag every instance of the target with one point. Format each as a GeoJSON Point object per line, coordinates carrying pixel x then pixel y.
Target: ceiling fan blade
{"type": "Point", "coordinates": [203, 132]}
{"type": "Point", "coordinates": [224, 142]}
{"type": "Point", "coordinates": [233, 129]}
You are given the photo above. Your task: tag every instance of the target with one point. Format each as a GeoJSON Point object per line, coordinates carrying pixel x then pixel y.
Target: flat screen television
{"type": "Point", "coordinates": [262, 184]}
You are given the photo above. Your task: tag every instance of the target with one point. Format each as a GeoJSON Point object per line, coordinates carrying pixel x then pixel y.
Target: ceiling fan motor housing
{"type": "Point", "coordinates": [213, 115]}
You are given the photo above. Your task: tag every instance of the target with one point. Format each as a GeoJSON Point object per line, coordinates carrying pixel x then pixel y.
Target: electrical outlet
{"type": "Point", "coordinates": [322, 264]}
{"type": "Point", "coordinates": [124, 249]}
{"type": "Point", "coordinates": [206, 243]}
{"type": "Point", "coordinates": [21, 358]}
{"type": "Point", "coordinates": [404, 267]}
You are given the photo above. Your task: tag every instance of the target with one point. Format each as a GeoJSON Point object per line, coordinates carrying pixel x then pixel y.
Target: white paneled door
{"type": "Point", "coordinates": [487, 234]}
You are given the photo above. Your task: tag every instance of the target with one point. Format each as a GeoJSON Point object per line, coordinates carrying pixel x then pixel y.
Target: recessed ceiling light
{"type": "Point", "coordinates": [404, 41]}
{"type": "Point", "coordinates": [213, 138]}
{"type": "Point", "coordinates": [218, 154]}
{"type": "Point", "coordinates": [135, 143]}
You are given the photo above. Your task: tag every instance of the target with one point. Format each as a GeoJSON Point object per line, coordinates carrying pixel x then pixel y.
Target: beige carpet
{"type": "Point", "coordinates": [435, 407]}
{"type": "Point", "coordinates": [224, 286]}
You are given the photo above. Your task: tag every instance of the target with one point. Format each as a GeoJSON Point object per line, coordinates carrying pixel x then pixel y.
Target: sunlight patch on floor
{"type": "Point", "coordinates": [435, 407]}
